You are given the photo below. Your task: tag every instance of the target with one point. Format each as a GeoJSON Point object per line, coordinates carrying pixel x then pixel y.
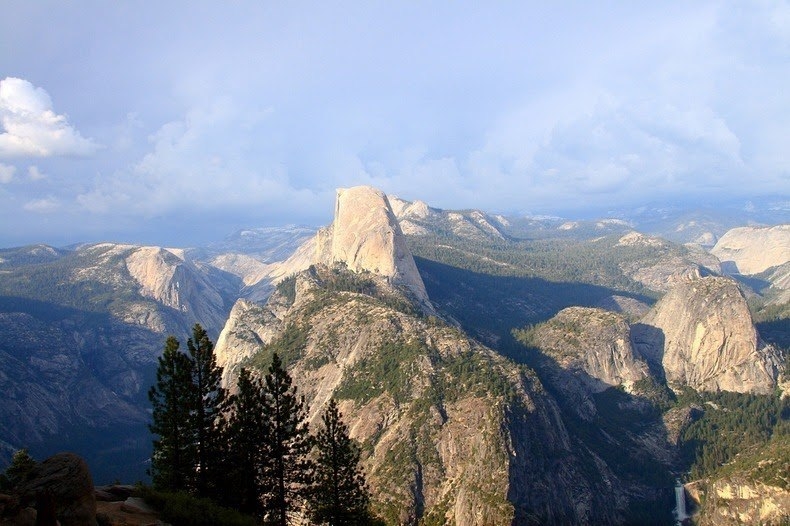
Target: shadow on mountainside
{"type": "Point", "coordinates": [619, 439]}
{"type": "Point", "coordinates": [649, 342]}
{"type": "Point", "coordinates": [488, 307]}
{"type": "Point", "coordinates": [615, 436]}
{"type": "Point", "coordinates": [76, 380]}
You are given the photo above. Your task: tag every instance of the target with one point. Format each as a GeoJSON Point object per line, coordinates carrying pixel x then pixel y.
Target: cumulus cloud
{"type": "Point", "coordinates": [30, 126]}
{"type": "Point", "coordinates": [215, 159]}
{"type": "Point", "coordinates": [45, 205]}
{"type": "Point", "coordinates": [34, 174]}
{"type": "Point", "coordinates": [6, 173]}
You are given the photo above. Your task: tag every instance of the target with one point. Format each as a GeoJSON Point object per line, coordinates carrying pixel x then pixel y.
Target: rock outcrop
{"type": "Point", "coordinates": [364, 237]}
{"type": "Point", "coordinates": [63, 484]}
{"type": "Point", "coordinates": [701, 335]}
{"type": "Point", "coordinates": [594, 345]}
{"type": "Point", "coordinates": [249, 326]}
{"type": "Point", "coordinates": [751, 250]}
{"type": "Point", "coordinates": [734, 501]}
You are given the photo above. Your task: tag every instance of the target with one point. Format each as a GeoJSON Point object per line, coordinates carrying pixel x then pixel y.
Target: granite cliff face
{"type": "Point", "coordinates": [365, 236]}
{"type": "Point", "coordinates": [701, 335]}
{"type": "Point", "coordinates": [751, 250]}
{"type": "Point", "coordinates": [733, 501]}
{"type": "Point", "coordinates": [594, 345]}
{"type": "Point", "coordinates": [166, 277]}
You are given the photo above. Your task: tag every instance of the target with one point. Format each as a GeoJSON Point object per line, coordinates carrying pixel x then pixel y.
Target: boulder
{"type": "Point", "coordinates": [23, 517]}
{"type": "Point", "coordinates": [66, 479]}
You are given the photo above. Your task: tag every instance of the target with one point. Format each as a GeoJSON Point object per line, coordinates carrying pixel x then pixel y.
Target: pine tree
{"type": "Point", "coordinates": [247, 434]}
{"type": "Point", "coordinates": [188, 405]}
{"type": "Point", "coordinates": [339, 495]}
{"type": "Point", "coordinates": [287, 474]}
{"type": "Point", "coordinates": [173, 460]}
{"type": "Point", "coordinates": [22, 465]}
{"type": "Point", "coordinates": [209, 406]}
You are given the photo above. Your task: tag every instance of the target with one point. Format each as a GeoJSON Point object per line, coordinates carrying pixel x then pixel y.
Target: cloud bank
{"type": "Point", "coordinates": [30, 126]}
{"type": "Point", "coordinates": [252, 113]}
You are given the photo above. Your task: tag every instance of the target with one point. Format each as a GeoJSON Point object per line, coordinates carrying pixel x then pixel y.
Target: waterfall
{"type": "Point", "coordinates": [680, 502]}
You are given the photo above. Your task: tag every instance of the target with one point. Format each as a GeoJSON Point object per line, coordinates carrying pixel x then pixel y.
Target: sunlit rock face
{"type": "Point", "coordinates": [702, 335]}
{"type": "Point", "coordinates": [595, 345]}
{"type": "Point", "coordinates": [751, 250]}
{"type": "Point", "coordinates": [364, 237]}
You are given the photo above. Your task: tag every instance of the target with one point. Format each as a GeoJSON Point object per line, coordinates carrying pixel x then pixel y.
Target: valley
{"type": "Point", "coordinates": [494, 370]}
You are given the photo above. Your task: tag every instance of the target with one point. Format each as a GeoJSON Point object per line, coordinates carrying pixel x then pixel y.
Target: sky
{"type": "Point", "coordinates": [177, 123]}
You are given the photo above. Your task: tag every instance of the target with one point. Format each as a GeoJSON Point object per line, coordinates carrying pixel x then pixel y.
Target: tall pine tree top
{"type": "Point", "coordinates": [210, 405]}
{"type": "Point", "coordinates": [287, 475]}
{"type": "Point", "coordinates": [339, 495]}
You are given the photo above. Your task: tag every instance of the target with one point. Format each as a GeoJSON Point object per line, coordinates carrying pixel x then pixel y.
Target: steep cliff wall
{"type": "Point", "coordinates": [594, 345]}
{"type": "Point", "coordinates": [702, 335]}
{"type": "Point", "coordinates": [365, 236]}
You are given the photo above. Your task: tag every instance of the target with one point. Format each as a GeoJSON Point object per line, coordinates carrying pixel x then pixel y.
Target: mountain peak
{"type": "Point", "coordinates": [365, 236]}
{"type": "Point", "coordinates": [702, 334]}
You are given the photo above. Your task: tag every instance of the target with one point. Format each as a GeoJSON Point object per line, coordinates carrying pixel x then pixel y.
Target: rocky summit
{"type": "Point", "coordinates": [365, 236]}
{"type": "Point", "coordinates": [593, 344]}
{"type": "Point", "coordinates": [701, 334]}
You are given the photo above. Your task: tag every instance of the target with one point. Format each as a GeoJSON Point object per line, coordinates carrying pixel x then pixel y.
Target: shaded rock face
{"type": "Point", "coordinates": [751, 250]}
{"type": "Point", "coordinates": [629, 307]}
{"type": "Point", "coordinates": [46, 383]}
{"type": "Point", "coordinates": [64, 481]}
{"type": "Point", "coordinates": [701, 335]}
{"type": "Point", "coordinates": [594, 345]}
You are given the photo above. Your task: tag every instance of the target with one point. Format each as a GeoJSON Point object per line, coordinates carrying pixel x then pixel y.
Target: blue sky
{"type": "Point", "coordinates": [179, 123]}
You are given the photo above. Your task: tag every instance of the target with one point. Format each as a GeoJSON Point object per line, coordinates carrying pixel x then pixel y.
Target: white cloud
{"type": "Point", "coordinates": [34, 174]}
{"type": "Point", "coordinates": [215, 159]}
{"type": "Point", "coordinates": [30, 126]}
{"type": "Point", "coordinates": [42, 206]}
{"type": "Point", "coordinates": [6, 173]}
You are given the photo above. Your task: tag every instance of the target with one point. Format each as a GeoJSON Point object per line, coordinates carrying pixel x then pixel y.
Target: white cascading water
{"type": "Point", "coordinates": [680, 502]}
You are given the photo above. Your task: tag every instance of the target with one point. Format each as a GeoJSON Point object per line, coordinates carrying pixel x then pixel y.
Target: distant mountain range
{"type": "Point", "coordinates": [496, 370]}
